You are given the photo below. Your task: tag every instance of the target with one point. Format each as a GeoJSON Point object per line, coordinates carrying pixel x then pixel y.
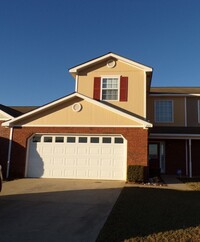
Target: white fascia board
{"type": "Point", "coordinates": [174, 95]}
{"type": "Point", "coordinates": [140, 121]}
{"type": "Point", "coordinates": [130, 62]}
{"type": "Point", "coordinates": [133, 63]}
{"type": "Point", "coordinates": [10, 122]}
{"type": "Point", "coordinates": [81, 126]}
{"type": "Point", "coordinates": [174, 136]}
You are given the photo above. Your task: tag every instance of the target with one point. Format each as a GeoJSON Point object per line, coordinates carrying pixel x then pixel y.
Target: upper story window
{"type": "Point", "coordinates": [163, 111]}
{"type": "Point", "coordinates": [110, 88]}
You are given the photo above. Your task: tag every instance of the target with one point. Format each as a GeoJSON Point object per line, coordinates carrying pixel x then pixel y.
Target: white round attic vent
{"type": "Point", "coordinates": [111, 63]}
{"type": "Point", "coordinates": [76, 107]}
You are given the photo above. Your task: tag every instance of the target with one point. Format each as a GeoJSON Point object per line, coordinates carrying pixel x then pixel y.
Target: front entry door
{"type": "Point", "coordinates": [156, 158]}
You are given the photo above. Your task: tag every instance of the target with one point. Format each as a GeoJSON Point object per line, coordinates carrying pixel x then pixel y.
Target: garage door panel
{"type": "Point", "coordinates": [106, 162]}
{"type": "Point", "coordinates": [93, 174]}
{"type": "Point", "coordinates": [106, 150]}
{"type": "Point", "coordinates": [105, 174]}
{"type": "Point", "coordinates": [70, 150]}
{"type": "Point", "coordinates": [70, 157]}
{"type": "Point", "coordinates": [82, 150]}
{"type": "Point", "coordinates": [93, 163]}
{"type": "Point", "coordinates": [118, 151]}
{"type": "Point", "coordinates": [81, 162]}
{"type": "Point", "coordinates": [59, 150]}
{"type": "Point", "coordinates": [94, 150]}
{"type": "Point", "coordinates": [70, 162]}
{"type": "Point", "coordinates": [59, 161]}
{"type": "Point", "coordinates": [82, 173]}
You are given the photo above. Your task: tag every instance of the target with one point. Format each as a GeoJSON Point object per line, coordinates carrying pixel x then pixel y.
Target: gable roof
{"type": "Point", "coordinates": [12, 122]}
{"type": "Point", "coordinates": [9, 112]}
{"type": "Point", "coordinates": [15, 111]}
{"type": "Point", "coordinates": [77, 68]}
{"type": "Point", "coordinates": [175, 90]}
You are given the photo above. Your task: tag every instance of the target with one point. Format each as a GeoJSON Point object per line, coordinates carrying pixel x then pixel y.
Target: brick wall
{"type": "Point", "coordinates": [136, 141]}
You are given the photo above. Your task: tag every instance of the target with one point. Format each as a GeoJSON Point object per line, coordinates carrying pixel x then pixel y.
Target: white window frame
{"type": "Point", "coordinates": [118, 93]}
{"type": "Point", "coordinates": [155, 113]}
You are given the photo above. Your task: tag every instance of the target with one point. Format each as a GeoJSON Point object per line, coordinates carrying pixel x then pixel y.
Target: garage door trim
{"type": "Point", "coordinates": [82, 140]}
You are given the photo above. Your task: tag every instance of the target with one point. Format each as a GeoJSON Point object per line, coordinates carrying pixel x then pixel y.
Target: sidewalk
{"type": "Point", "coordinates": [173, 183]}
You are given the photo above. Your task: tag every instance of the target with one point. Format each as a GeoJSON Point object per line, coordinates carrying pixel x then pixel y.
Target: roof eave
{"type": "Point", "coordinates": [11, 123]}
{"type": "Point", "coordinates": [76, 69]}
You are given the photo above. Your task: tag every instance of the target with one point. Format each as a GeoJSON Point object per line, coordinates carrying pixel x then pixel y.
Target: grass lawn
{"type": "Point", "coordinates": [194, 183]}
{"type": "Point", "coordinates": [153, 214]}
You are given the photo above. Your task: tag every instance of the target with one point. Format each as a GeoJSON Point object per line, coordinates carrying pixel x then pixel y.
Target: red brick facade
{"type": "Point", "coordinates": [137, 143]}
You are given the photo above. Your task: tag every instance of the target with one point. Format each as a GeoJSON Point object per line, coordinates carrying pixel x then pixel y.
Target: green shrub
{"type": "Point", "coordinates": [135, 173]}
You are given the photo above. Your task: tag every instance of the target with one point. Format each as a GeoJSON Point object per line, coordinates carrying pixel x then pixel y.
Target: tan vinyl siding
{"type": "Point", "coordinates": [136, 89]}
{"type": "Point", "coordinates": [90, 114]}
{"type": "Point", "coordinates": [178, 111]}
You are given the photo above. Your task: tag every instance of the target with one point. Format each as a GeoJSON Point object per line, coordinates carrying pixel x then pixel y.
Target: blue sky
{"type": "Point", "coordinates": [41, 39]}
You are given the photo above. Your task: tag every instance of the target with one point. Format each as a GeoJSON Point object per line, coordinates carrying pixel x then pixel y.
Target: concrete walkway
{"type": "Point", "coordinates": [173, 183]}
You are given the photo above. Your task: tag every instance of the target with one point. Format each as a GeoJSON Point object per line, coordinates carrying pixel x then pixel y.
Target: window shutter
{"type": "Point", "coordinates": [123, 88]}
{"type": "Point", "coordinates": [97, 88]}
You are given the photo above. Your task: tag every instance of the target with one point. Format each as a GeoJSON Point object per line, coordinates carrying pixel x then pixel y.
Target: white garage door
{"type": "Point", "coordinates": [80, 157]}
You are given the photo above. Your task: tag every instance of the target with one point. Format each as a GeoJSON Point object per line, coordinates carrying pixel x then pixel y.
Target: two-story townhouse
{"type": "Point", "coordinates": [112, 120]}
{"type": "Point", "coordinates": [174, 140]}
{"type": "Point", "coordinates": [94, 133]}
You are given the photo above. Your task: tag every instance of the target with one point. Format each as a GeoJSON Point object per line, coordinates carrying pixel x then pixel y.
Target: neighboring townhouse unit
{"type": "Point", "coordinates": [113, 119]}
{"type": "Point", "coordinates": [8, 113]}
{"type": "Point", "coordinates": [174, 140]}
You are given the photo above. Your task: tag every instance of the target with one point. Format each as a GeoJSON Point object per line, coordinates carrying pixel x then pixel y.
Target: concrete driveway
{"type": "Point", "coordinates": [55, 209]}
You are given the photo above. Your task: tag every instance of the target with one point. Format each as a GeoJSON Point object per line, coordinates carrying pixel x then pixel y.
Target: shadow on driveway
{"type": "Point", "coordinates": [68, 215]}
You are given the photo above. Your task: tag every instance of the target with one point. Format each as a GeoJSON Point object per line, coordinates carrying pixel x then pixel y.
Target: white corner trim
{"type": "Point", "coordinates": [76, 84]}
{"type": "Point", "coordinates": [145, 96]}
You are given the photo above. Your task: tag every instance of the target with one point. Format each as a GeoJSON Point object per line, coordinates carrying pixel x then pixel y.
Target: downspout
{"type": "Point", "coordinates": [9, 152]}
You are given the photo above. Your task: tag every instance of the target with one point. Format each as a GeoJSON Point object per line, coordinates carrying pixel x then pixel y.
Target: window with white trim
{"type": "Point", "coordinates": [163, 111]}
{"type": "Point", "coordinates": [110, 88]}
